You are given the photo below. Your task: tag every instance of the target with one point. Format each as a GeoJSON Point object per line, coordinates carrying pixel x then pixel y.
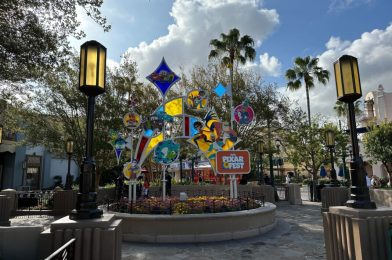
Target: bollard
{"type": "Point", "coordinates": [5, 210]}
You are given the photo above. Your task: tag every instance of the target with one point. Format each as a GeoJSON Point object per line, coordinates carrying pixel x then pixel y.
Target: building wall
{"type": "Point", "coordinates": [9, 160]}
{"type": "Point", "coordinates": [378, 108]}
{"type": "Point", "coordinates": [14, 171]}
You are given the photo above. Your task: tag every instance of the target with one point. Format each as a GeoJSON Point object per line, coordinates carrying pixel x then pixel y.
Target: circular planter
{"type": "Point", "coordinates": [192, 228]}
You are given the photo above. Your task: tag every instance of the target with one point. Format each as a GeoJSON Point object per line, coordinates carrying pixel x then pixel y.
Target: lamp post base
{"type": "Point", "coordinates": [86, 207]}
{"type": "Point", "coordinates": [360, 198]}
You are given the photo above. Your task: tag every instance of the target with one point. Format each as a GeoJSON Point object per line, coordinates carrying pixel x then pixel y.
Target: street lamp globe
{"type": "Point", "coordinates": [348, 83]}
{"type": "Point", "coordinates": [92, 68]}
{"type": "Point", "coordinates": [260, 146]}
{"type": "Point", "coordinates": [69, 146]}
{"type": "Point", "coordinates": [330, 138]}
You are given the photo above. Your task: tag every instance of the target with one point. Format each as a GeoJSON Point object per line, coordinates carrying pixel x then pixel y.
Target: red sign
{"type": "Point", "coordinates": [233, 162]}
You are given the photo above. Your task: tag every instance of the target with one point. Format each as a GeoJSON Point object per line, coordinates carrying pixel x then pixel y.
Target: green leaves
{"type": "Point", "coordinates": [233, 48]}
{"type": "Point", "coordinates": [378, 144]}
{"type": "Point", "coordinates": [34, 34]}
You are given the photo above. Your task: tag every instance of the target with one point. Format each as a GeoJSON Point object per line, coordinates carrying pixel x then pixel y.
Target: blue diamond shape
{"type": "Point", "coordinates": [163, 77]}
{"type": "Point", "coordinates": [220, 90]}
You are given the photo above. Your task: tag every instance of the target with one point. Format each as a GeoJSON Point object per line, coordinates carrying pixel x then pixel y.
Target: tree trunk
{"type": "Point", "coordinates": [308, 104]}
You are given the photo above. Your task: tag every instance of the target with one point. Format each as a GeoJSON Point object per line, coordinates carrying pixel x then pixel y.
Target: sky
{"type": "Point", "coordinates": [181, 30]}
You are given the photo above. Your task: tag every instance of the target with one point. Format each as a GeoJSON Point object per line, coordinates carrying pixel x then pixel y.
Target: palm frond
{"type": "Point", "coordinates": [291, 74]}
{"type": "Point", "coordinates": [294, 85]}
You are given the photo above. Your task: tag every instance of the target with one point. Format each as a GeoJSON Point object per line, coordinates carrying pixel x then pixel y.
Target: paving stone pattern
{"type": "Point", "coordinates": [298, 235]}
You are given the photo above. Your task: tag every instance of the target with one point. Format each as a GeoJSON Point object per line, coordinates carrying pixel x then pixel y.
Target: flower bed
{"type": "Point", "coordinates": [194, 205]}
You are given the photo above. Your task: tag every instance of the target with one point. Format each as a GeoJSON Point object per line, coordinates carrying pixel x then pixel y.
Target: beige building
{"type": "Point", "coordinates": [378, 108]}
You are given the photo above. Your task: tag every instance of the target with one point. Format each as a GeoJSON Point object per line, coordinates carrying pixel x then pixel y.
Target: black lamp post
{"type": "Point", "coordinates": [91, 82]}
{"type": "Point", "coordinates": [350, 151]}
{"type": "Point", "coordinates": [69, 150]}
{"type": "Point", "coordinates": [1, 133]}
{"type": "Point", "coordinates": [260, 150]}
{"type": "Point", "coordinates": [194, 161]}
{"type": "Point", "coordinates": [278, 159]}
{"type": "Point", "coordinates": [348, 88]}
{"type": "Point", "coordinates": [330, 143]}
{"type": "Point", "coordinates": [270, 159]}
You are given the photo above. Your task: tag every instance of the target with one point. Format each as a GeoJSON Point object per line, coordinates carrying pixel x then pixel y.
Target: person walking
{"type": "Point", "coordinates": [146, 187]}
{"type": "Point", "coordinates": [168, 183]}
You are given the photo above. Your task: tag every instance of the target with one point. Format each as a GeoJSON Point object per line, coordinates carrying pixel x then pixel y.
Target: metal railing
{"type": "Point", "coordinates": [35, 200]}
{"type": "Point", "coordinates": [175, 206]}
{"type": "Point", "coordinates": [65, 252]}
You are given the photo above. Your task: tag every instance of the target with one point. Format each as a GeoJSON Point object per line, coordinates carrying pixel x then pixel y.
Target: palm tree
{"type": "Point", "coordinates": [233, 49]}
{"type": "Point", "coordinates": [306, 70]}
{"type": "Point", "coordinates": [341, 108]}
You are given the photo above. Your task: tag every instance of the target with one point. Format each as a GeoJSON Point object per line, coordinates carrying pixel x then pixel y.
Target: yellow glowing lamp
{"type": "Point", "coordinates": [348, 83]}
{"type": "Point", "coordinates": [92, 68]}
{"type": "Point", "coordinates": [330, 138]}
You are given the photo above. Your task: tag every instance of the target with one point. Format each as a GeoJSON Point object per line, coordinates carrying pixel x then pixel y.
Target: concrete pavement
{"type": "Point", "coordinates": [298, 235]}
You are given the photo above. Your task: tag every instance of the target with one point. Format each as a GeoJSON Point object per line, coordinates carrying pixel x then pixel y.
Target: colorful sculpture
{"type": "Point", "coordinates": [243, 113]}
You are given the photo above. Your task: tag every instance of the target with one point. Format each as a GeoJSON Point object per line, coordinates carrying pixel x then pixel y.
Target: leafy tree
{"type": "Point", "coordinates": [34, 34]}
{"type": "Point", "coordinates": [302, 141]}
{"type": "Point", "coordinates": [57, 110]}
{"type": "Point", "coordinates": [378, 145]}
{"type": "Point", "coordinates": [306, 70]}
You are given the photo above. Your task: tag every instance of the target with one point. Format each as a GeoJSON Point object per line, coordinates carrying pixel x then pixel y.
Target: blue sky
{"type": "Point", "coordinates": [283, 29]}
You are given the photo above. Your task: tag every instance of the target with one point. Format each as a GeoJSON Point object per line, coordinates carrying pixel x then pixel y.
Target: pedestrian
{"type": "Point", "coordinates": [267, 179]}
{"type": "Point", "coordinates": [119, 186]}
{"type": "Point", "coordinates": [288, 179]}
{"type": "Point", "coordinates": [146, 187]}
{"type": "Point", "coordinates": [168, 183]}
{"type": "Point", "coordinates": [374, 182]}
{"type": "Point", "coordinates": [368, 181]}
{"type": "Point", "coordinates": [139, 186]}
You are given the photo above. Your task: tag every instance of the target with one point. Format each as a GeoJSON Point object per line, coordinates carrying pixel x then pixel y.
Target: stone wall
{"type": "Point", "coordinates": [193, 228]}
{"type": "Point", "coordinates": [20, 242]}
{"type": "Point", "coordinates": [381, 197]}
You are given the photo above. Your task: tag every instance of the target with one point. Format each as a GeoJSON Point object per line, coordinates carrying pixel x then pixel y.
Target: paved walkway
{"type": "Point", "coordinates": [298, 235]}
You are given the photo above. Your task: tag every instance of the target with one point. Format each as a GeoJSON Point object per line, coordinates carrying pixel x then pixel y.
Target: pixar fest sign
{"type": "Point", "coordinates": [233, 162]}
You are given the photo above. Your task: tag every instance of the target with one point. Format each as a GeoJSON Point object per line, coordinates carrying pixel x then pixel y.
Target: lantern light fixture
{"type": "Point", "coordinates": [330, 138]}
{"type": "Point", "coordinates": [92, 68]}
{"type": "Point", "coordinates": [348, 83]}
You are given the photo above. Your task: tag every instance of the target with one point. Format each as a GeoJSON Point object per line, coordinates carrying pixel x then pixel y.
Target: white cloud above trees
{"type": "Point", "coordinates": [374, 52]}
{"type": "Point", "coordinates": [196, 22]}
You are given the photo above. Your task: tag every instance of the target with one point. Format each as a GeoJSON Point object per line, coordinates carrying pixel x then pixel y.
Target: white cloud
{"type": "Point", "coordinates": [112, 64]}
{"type": "Point", "coordinates": [266, 66]}
{"type": "Point", "coordinates": [196, 22]}
{"type": "Point", "coordinates": [269, 65]}
{"type": "Point", "coordinates": [339, 5]}
{"type": "Point", "coordinates": [374, 53]}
